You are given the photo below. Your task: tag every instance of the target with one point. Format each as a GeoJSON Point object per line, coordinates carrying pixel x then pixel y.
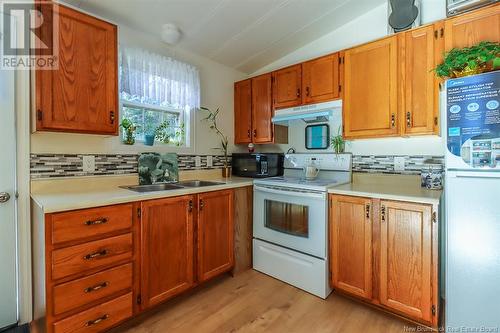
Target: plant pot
{"type": "Point", "coordinates": [469, 72]}
{"type": "Point", "coordinates": [149, 139]}
{"type": "Point", "coordinates": [226, 172]}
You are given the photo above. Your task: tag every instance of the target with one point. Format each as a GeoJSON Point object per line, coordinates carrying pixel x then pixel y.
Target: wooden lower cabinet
{"type": "Point", "coordinates": [351, 245]}
{"type": "Point", "coordinates": [215, 234]}
{"type": "Point", "coordinates": [399, 241]}
{"type": "Point", "coordinates": [167, 258]}
{"type": "Point", "coordinates": [406, 258]}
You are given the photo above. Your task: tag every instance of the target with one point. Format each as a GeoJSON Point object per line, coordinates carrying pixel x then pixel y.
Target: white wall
{"type": "Point", "coordinates": [370, 26]}
{"type": "Point", "coordinates": [216, 91]}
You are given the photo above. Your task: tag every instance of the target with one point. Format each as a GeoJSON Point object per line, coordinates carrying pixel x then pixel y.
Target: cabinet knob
{"type": "Point", "coordinates": [254, 133]}
{"type": "Point", "coordinates": [96, 321]}
{"type": "Point", "coordinates": [4, 197]}
{"type": "Point", "coordinates": [202, 204]}
{"type": "Point", "coordinates": [298, 92]}
{"type": "Point", "coordinates": [96, 287]}
{"type": "Point", "coordinates": [367, 210]}
{"type": "Point", "coordinates": [393, 120]}
{"type": "Point", "coordinates": [112, 117]}
{"type": "Point", "coordinates": [307, 91]}
{"type": "Point", "coordinates": [249, 134]}
{"type": "Point", "coordinates": [95, 255]}
{"type": "Point", "coordinates": [96, 222]}
{"type": "Point", "coordinates": [408, 119]}
{"type": "Point", "coordinates": [382, 213]}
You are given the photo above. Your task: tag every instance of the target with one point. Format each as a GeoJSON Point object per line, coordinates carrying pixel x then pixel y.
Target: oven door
{"type": "Point", "coordinates": [293, 218]}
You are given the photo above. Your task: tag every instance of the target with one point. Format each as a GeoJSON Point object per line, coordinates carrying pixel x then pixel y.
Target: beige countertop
{"type": "Point", "coordinates": [69, 194]}
{"type": "Point", "coordinates": [389, 187]}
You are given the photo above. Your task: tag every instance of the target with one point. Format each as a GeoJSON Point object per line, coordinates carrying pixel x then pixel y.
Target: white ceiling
{"type": "Point", "coordinates": [242, 34]}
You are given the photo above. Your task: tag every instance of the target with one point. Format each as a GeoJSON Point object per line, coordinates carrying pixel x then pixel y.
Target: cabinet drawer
{"type": "Point", "coordinates": [80, 224]}
{"type": "Point", "coordinates": [92, 255]}
{"type": "Point", "coordinates": [71, 295]}
{"type": "Point", "coordinates": [98, 318]}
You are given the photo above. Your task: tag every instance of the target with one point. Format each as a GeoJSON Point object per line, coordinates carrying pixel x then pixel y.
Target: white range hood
{"type": "Point", "coordinates": [309, 113]}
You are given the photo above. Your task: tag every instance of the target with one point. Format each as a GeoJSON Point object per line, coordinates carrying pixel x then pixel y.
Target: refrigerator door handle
{"type": "Point", "coordinates": [474, 174]}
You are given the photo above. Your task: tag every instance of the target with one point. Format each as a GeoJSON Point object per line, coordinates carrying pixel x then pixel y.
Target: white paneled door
{"type": "Point", "coordinates": [8, 236]}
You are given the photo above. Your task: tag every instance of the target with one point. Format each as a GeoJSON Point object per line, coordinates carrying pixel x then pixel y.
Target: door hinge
{"type": "Point", "coordinates": [139, 299]}
{"type": "Point", "coordinates": [442, 32]}
{"type": "Point", "coordinates": [39, 115]}
{"type": "Point", "coordinates": [340, 88]}
{"type": "Point", "coordinates": [340, 60]}
{"type": "Point", "coordinates": [139, 213]}
{"type": "Point", "coordinates": [433, 310]}
{"type": "Point", "coordinates": [434, 217]}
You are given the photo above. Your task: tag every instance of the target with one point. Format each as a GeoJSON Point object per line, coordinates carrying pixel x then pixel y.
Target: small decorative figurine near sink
{"type": "Point", "coordinates": [158, 168]}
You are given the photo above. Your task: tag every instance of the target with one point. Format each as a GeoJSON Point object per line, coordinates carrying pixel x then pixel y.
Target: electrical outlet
{"type": "Point", "coordinates": [399, 163]}
{"type": "Point", "coordinates": [88, 163]}
{"type": "Point", "coordinates": [197, 161]}
{"type": "Point", "coordinates": [210, 161]}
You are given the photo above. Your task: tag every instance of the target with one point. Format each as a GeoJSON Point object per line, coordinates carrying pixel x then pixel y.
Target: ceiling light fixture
{"type": "Point", "coordinates": [170, 33]}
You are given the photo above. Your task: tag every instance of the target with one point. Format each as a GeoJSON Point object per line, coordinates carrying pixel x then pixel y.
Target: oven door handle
{"type": "Point", "coordinates": [302, 194]}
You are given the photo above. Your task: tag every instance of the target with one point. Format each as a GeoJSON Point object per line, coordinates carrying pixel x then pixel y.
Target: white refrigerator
{"type": "Point", "coordinates": [472, 203]}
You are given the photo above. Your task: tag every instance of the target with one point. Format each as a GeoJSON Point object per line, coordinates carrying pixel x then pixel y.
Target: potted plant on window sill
{"type": "Point", "coordinates": [162, 134]}
{"type": "Point", "coordinates": [338, 142]}
{"type": "Point", "coordinates": [149, 135]}
{"type": "Point", "coordinates": [129, 128]}
{"type": "Point", "coordinates": [212, 119]}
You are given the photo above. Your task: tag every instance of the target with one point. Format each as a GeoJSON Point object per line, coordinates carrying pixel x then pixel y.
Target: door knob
{"type": "Point", "coordinates": [4, 197]}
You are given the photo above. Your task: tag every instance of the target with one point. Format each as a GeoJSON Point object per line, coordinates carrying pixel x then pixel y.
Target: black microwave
{"type": "Point", "coordinates": [258, 165]}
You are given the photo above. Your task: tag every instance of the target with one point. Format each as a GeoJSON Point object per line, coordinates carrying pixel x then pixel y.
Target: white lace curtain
{"type": "Point", "coordinates": [155, 79]}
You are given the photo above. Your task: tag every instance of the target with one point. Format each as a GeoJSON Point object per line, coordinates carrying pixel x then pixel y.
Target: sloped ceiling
{"type": "Point", "coordinates": [242, 34]}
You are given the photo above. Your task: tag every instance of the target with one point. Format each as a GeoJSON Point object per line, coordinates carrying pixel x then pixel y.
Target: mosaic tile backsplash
{"type": "Point", "coordinates": [68, 165]}
{"type": "Point", "coordinates": [385, 163]}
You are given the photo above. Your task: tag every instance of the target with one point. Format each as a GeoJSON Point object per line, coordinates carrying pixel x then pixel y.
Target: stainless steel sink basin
{"type": "Point", "coordinates": [153, 188]}
{"type": "Point", "coordinates": [198, 183]}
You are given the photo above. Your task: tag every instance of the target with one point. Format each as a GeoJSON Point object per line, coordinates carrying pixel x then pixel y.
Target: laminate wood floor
{"type": "Point", "coordinates": [254, 302]}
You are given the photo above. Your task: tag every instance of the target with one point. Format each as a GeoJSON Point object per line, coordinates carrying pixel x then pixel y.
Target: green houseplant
{"type": "Point", "coordinates": [129, 128]}
{"type": "Point", "coordinates": [162, 132]}
{"type": "Point", "coordinates": [476, 59]}
{"type": "Point", "coordinates": [338, 142]}
{"type": "Point", "coordinates": [212, 119]}
{"type": "Point", "coordinates": [149, 135]}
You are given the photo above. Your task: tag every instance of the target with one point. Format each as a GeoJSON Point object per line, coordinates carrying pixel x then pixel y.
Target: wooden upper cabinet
{"type": "Point", "coordinates": [406, 258]}
{"type": "Point", "coordinates": [351, 245]}
{"type": "Point", "coordinates": [370, 96]}
{"type": "Point", "coordinates": [320, 79]}
{"type": "Point", "coordinates": [262, 110]}
{"type": "Point", "coordinates": [82, 94]}
{"type": "Point", "coordinates": [287, 87]}
{"type": "Point", "coordinates": [418, 85]}
{"type": "Point", "coordinates": [471, 28]}
{"type": "Point", "coordinates": [167, 247]}
{"type": "Point", "coordinates": [215, 234]}
{"type": "Point", "coordinates": [243, 111]}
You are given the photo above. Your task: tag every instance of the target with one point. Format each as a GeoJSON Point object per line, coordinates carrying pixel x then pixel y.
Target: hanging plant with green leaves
{"type": "Point", "coordinates": [480, 58]}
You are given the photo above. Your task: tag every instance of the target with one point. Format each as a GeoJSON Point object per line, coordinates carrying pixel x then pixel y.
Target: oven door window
{"type": "Point", "coordinates": [288, 218]}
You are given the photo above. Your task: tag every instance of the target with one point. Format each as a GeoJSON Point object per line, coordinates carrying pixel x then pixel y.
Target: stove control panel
{"type": "Point", "coordinates": [337, 162]}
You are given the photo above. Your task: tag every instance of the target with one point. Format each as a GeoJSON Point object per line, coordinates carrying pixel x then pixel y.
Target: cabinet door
{"type": "Point", "coordinates": [320, 81]}
{"type": "Point", "coordinates": [370, 96]}
{"type": "Point", "coordinates": [472, 28]}
{"type": "Point", "coordinates": [215, 234]}
{"type": "Point", "coordinates": [167, 248]}
{"type": "Point", "coordinates": [243, 112]}
{"type": "Point", "coordinates": [351, 245]}
{"type": "Point", "coordinates": [286, 87]}
{"type": "Point", "coordinates": [417, 81]}
{"type": "Point", "coordinates": [406, 258]}
{"type": "Point", "coordinates": [81, 95]}
{"type": "Point", "coordinates": [262, 110]}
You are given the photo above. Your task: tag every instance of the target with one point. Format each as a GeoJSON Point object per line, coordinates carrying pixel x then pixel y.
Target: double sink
{"type": "Point", "coordinates": [171, 186]}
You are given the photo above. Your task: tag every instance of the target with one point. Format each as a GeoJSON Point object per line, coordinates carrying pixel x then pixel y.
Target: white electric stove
{"type": "Point", "coordinates": [290, 221]}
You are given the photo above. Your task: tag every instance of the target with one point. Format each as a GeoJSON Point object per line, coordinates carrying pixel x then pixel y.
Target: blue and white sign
{"type": "Point", "coordinates": [473, 119]}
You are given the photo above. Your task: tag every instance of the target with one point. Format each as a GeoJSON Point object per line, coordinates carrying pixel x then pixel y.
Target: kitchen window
{"type": "Point", "coordinates": [158, 91]}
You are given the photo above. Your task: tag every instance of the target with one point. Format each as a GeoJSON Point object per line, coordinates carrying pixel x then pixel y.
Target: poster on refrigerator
{"type": "Point", "coordinates": [473, 119]}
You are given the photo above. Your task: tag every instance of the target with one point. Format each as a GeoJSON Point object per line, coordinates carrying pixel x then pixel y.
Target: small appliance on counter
{"type": "Point", "coordinates": [257, 165]}
{"type": "Point", "coordinates": [290, 223]}
{"type": "Point", "coordinates": [432, 175]}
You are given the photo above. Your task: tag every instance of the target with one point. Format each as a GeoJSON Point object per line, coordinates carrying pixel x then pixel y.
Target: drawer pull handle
{"type": "Point", "coordinates": [96, 321]}
{"type": "Point", "coordinates": [95, 255]}
{"type": "Point", "coordinates": [96, 222]}
{"type": "Point", "coordinates": [97, 287]}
